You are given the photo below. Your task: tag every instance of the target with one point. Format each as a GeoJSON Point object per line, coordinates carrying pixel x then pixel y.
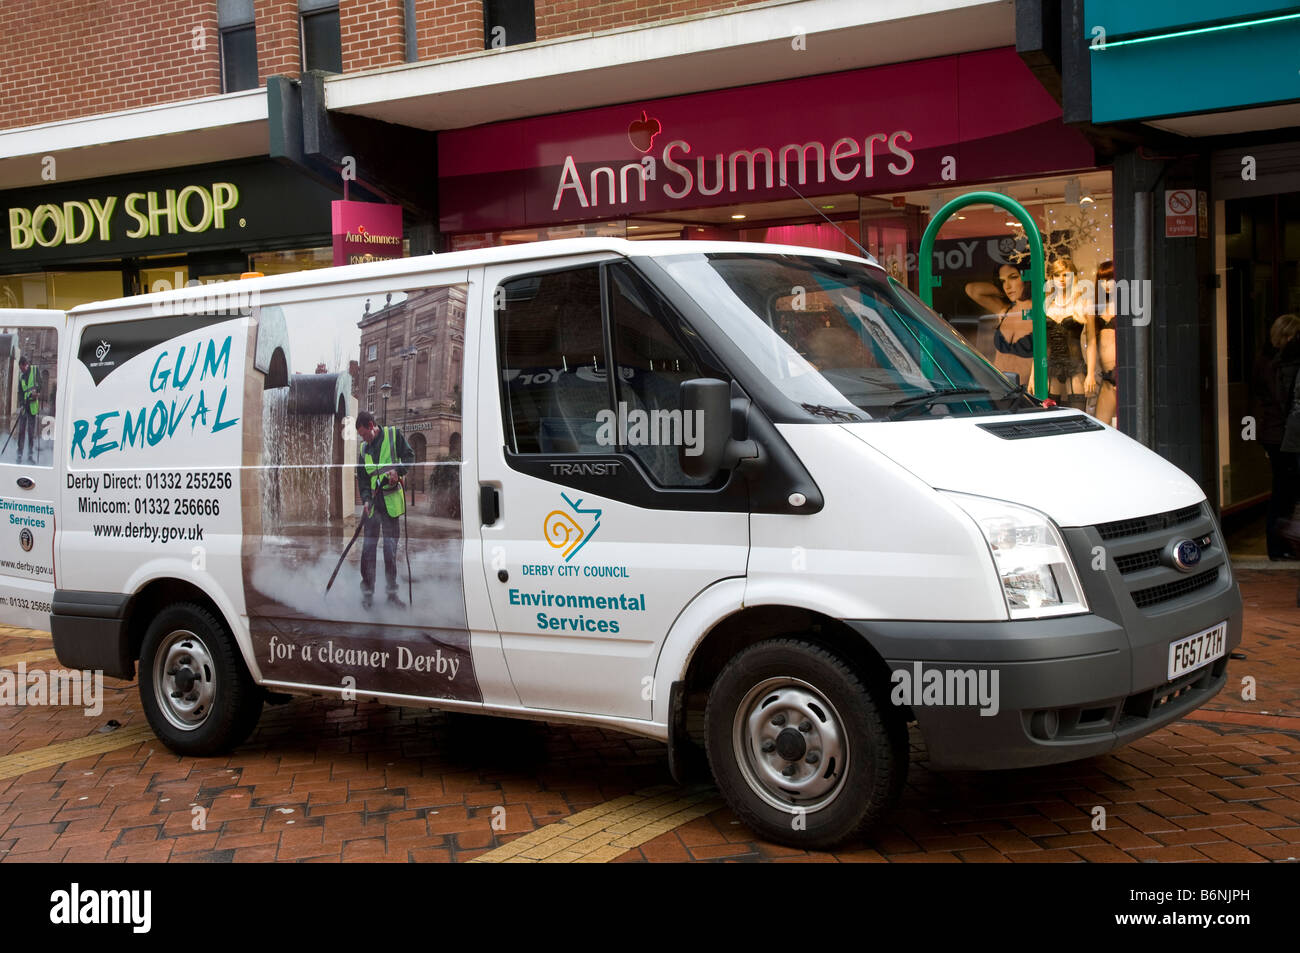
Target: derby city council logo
{"type": "Point", "coordinates": [566, 532]}
{"type": "Point", "coordinates": [26, 540]}
{"type": "Point", "coordinates": [101, 355]}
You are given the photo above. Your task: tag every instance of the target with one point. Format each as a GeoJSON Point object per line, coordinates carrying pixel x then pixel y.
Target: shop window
{"type": "Point", "coordinates": [322, 46]}
{"type": "Point", "coordinates": [552, 355]}
{"type": "Point", "coordinates": [508, 23]}
{"type": "Point", "coordinates": [59, 290]}
{"type": "Point", "coordinates": [300, 259]}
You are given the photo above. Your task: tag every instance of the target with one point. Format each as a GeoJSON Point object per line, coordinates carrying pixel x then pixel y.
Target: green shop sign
{"type": "Point", "coordinates": [230, 206]}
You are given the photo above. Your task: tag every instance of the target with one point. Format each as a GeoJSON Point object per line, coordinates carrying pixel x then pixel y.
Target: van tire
{"type": "Point", "coordinates": [187, 649]}
{"type": "Point", "coordinates": [775, 691]}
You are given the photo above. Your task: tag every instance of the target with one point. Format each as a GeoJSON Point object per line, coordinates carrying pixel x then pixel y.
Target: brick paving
{"type": "Point", "coordinates": [327, 781]}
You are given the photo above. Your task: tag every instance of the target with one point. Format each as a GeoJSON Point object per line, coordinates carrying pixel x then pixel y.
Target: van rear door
{"type": "Point", "coordinates": [594, 539]}
{"type": "Point", "coordinates": [29, 469]}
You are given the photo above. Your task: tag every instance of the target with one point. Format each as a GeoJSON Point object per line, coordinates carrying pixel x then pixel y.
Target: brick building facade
{"type": "Point", "coordinates": [68, 59]}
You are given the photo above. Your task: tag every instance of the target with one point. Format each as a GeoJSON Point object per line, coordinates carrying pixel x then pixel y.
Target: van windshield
{"type": "Point", "coordinates": [841, 340]}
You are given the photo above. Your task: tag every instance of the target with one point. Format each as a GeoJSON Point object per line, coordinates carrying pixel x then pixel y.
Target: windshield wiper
{"type": "Point", "coordinates": [830, 413]}
{"type": "Point", "coordinates": [924, 401]}
{"type": "Point", "coordinates": [1020, 390]}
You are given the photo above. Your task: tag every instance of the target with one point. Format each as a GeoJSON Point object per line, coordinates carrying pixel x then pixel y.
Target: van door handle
{"type": "Point", "coordinates": [26, 483]}
{"type": "Point", "coordinates": [489, 504]}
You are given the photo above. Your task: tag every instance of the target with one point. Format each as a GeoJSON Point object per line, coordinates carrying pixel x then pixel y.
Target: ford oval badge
{"type": "Point", "coordinates": [1186, 554]}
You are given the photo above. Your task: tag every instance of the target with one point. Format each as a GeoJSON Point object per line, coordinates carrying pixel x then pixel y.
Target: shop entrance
{"type": "Point", "coordinates": [1261, 282]}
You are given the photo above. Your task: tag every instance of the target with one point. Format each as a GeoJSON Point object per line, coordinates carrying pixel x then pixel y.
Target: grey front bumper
{"type": "Point", "coordinates": [1067, 688]}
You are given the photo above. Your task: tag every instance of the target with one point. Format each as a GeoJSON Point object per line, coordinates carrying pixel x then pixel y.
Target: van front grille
{"type": "Point", "coordinates": [1144, 598]}
{"type": "Point", "coordinates": [1137, 561]}
{"type": "Point", "coordinates": [1149, 524]}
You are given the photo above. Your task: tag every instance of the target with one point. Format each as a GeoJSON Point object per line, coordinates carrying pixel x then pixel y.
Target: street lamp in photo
{"type": "Point", "coordinates": [406, 354]}
{"type": "Point", "coordinates": [386, 390]}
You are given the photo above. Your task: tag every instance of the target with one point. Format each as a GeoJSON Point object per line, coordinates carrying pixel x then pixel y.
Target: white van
{"type": "Point", "coordinates": [756, 502]}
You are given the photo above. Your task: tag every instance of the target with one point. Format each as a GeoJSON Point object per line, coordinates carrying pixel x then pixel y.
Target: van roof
{"type": "Point", "coordinates": [451, 261]}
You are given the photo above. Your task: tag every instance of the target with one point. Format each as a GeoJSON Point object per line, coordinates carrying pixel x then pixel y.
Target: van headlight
{"type": "Point", "coordinates": [1038, 577]}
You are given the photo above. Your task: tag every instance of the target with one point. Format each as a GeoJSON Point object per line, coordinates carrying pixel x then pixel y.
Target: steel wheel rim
{"type": "Point", "coordinates": [184, 679]}
{"type": "Point", "coordinates": [763, 743]}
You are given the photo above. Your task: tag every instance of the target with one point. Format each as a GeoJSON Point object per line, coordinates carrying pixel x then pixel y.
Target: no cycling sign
{"type": "Point", "coordinates": [1180, 213]}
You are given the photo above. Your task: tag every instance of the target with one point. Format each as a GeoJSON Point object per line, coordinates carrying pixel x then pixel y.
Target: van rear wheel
{"type": "Point", "coordinates": [197, 695]}
{"type": "Point", "coordinates": [801, 748]}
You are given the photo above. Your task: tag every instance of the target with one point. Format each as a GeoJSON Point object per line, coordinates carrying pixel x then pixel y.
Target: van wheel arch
{"type": "Point", "coordinates": [738, 632]}
{"type": "Point", "coordinates": [156, 596]}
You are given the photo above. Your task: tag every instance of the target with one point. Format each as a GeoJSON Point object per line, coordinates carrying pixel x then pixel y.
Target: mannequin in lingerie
{"type": "Point", "coordinates": [1107, 396]}
{"type": "Point", "coordinates": [1071, 328]}
{"type": "Point", "coordinates": [1013, 339]}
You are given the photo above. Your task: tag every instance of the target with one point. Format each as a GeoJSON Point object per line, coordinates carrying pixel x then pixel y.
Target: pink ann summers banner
{"type": "Point", "coordinates": [939, 122]}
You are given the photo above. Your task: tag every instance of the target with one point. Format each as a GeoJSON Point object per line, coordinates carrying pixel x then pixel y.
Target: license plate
{"type": "Point", "coordinates": [1195, 650]}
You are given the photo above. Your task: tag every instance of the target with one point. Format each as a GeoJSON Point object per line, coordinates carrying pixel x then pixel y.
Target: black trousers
{"type": "Point", "coordinates": [27, 427]}
{"type": "Point", "coordinates": [1286, 492]}
{"type": "Point", "coordinates": [391, 527]}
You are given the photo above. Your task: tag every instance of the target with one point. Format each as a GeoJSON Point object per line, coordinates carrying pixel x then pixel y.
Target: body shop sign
{"type": "Point", "coordinates": [936, 122]}
{"type": "Point", "coordinates": [366, 231]}
{"type": "Point", "coordinates": [214, 206]}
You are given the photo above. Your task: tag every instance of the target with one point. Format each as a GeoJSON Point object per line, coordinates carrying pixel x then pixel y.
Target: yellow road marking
{"type": "Point", "coordinates": [606, 831]}
{"type": "Point", "coordinates": [12, 632]}
{"type": "Point", "coordinates": [8, 661]}
{"type": "Point", "coordinates": [62, 752]}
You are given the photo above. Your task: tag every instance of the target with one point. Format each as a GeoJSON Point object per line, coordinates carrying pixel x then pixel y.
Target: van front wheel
{"type": "Point", "coordinates": [196, 693]}
{"type": "Point", "coordinates": [800, 748]}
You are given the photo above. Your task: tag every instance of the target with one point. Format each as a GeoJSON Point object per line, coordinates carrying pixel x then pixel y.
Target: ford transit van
{"type": "Point", "coordinates": [756, 502]}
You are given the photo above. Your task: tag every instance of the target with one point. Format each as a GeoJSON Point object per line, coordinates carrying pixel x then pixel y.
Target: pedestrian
{"type": "Point", "coordinates": [1277, 417]}
{"type": "Point", "coordinates": [381, 466]}
{"type": "Point", "coordinates": [29, 407]}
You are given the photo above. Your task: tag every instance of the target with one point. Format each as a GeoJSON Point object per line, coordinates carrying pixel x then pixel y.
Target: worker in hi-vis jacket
{"type": "Point", "coordinates": [29, 407]}
{"type": "Point", "coordinates": [381, 466]}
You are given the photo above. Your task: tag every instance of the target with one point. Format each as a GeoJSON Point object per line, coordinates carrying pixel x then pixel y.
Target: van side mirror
{"type": "Point", "coordinates": [706, 404]}
{"type": "Point", "coordinates": [1013, 377]}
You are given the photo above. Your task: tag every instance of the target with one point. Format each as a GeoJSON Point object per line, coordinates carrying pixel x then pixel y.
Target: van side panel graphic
{"type": "Point", "coordinates": [315, 366]}
{"type": "Point", "coordinates": [151, 450]}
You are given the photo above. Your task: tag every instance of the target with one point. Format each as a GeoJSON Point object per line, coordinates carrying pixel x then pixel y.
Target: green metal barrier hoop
{"type": "Point", "coordinates": [1037, 271]}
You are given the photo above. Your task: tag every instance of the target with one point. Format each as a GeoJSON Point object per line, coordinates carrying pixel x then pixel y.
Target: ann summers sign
{"type": "Point", "coordinates": [933, 123]}
{"type": "Point", "coordinates": [230, 206]}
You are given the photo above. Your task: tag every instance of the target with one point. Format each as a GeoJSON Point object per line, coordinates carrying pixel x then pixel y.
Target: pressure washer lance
{"type": "Point", "coordinates": [18, 417]}
{"type": "Point", "coordinates": [362, 525]}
